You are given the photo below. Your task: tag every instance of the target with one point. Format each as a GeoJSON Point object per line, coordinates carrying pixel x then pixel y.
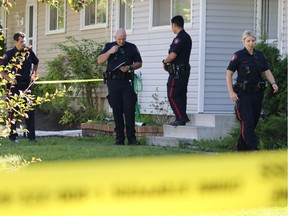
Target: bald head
{"type": "Point", "coordinates": [120, 37]}
{"type": "Point", "coordinates": [120, 32]}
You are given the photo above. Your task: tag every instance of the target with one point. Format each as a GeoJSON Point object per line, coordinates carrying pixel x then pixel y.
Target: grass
{"type": "Point", "coordinates": [15, 155]}
{"type": "Point", "coordinates": [82, 148]}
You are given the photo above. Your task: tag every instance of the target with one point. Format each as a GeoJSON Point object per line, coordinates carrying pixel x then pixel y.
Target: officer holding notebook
{"type": "Point", "coordinates": [122, 59]}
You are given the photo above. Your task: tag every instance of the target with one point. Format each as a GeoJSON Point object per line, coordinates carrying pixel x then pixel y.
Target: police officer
{"type": "Point", "coordinates": [248, 91]}
{"type": "Point", "coordinates": [123, 58]}
{"type": "Point", "coordinates": [177, 64]}
{"type": "Point", "coordinates": [23, 80]}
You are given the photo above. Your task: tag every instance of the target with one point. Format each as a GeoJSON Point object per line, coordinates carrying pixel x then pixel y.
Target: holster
{"type": "Point", "coordinates": [250, 87]}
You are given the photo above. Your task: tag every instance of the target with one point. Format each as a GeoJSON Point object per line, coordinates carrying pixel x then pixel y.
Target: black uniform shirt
{"type": "Point", "coordinates": [23, 73]}
{"type": "Point", "coordinates": [249, 67]}
{"type": "Point", "coordinates": [181, 45]}
{"type": "Point", "coordinates": [127, 53]}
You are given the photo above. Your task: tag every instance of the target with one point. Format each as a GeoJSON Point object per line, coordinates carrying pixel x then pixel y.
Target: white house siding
{"type": "Point", "coordinates": [11, 24]}
{"type": "Point", "coordinates": [284, 44]}
{"type": "Point", "coordinates": [153, 45]}
{"type": "Point", "coordinates": [46, 41]}
{"type": "Point", "coordinates": [225, 22]}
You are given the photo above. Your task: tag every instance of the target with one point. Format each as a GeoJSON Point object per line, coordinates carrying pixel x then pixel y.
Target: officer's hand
{"type": "Point", "coordinates": [113, 49]}
{"type": "Point", "coordinates": [165, 66]}
{"type": "Point", "coordinates": [275, 88]}
{"type": "Point", "coordinates": [34, 76]}
{"type": "Point", "coordinates": [14, 82]}
{"type": "Point", "coordinates": [124, 69]}
{"type": "Point", "coordinates": [233, 96]}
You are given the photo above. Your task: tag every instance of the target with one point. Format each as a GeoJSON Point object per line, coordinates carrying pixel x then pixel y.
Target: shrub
{"type": "Point", "coordinates": [77, 60]}
{"type": "Point", "coordinates": [272, 132]}
{"type": "Point", "coordinates": [274, 104]}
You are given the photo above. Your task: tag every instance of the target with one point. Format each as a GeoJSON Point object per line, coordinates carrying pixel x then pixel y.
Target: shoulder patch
{"type": "Point", "coordinates": [234, 57]}
{"type": "Point", "coordinates": [176, 41]}
{"type": "Point", "coordinates": [4, 56]}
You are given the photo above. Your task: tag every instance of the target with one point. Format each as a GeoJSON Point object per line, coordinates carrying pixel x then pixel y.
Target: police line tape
{"type": "Point", "coordinates": [151, 186]}
{"type": "Point", "coordinates": [67, 81]}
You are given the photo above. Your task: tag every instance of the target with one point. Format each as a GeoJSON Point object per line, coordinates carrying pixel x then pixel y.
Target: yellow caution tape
{"type": "Point", "coordinates": [68, 81]}
{"type": "Point", "coordinates": [152, 186]}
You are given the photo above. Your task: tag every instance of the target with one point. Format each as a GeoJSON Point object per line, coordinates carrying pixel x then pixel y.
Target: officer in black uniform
{"type": "Point", "coordinates": [248, 91]}
{"type": "Point", "coordinates": [23, 79]}
{"type": "Point", "coordinates": [123, 58]}
{"type": "Point", "coordinates": [177, 64]}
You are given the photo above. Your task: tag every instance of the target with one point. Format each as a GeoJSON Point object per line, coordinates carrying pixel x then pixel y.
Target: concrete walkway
{"type": "Point", "coordinates": [66, 133]}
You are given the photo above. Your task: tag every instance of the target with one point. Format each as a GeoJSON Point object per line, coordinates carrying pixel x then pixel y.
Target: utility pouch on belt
{"type": "Point", "coordinates": [171, 68]}
{"type": "Point", "coordinates": [249, 87]}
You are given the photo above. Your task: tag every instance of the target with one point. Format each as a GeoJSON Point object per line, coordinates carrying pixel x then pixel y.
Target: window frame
{"type": "Point", "coordinates": [164, 27]}
{"type": "Point", "coordinates": [96, 25]}
{"type": "Point", "coordinates": [118, 14]}
{"type": "Point", "coordinates": [56, 31]}
{"type": "Point", "coordinates": [259, 27]}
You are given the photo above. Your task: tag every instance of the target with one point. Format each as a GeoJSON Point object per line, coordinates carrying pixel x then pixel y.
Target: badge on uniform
{"type": "Point", "coordinates": [176, 41]}
{"type": "Point", "coordinates": [234, 57]}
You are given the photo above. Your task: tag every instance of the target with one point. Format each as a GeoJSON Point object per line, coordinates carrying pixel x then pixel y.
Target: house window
{"type": "Point", "coordinates": [94, 14]}
{"type": "Point", "coordinates": [56, 17]}
{"type": "Point", "coordinates": [269, 19]}
{"type": "Point", "coordinates": [164, 10]}
{"type": "Point", "coordinates": [126, 12]}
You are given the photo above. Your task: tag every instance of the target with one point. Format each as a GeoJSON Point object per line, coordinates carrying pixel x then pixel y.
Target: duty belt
{"type": "Point", "coordinates": [177, 70]}
{"type": "Point", "coordinates": [250, 87]}
{"type": "Point", "coordinates": [118, 76]}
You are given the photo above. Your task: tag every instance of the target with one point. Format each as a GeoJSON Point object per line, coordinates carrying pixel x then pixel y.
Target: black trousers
{"type": "Point", "coordinates": [30, 121]}
{"type": "Point", "coordinates": [122, 99]}
{"type": "Point", "coordinates": [177, 94]}
{"type": "Point", "coordinates": [248, 111]}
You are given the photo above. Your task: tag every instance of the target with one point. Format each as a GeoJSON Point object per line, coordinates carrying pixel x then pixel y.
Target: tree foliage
{"type": "Point", "coordinates": [75, 5]}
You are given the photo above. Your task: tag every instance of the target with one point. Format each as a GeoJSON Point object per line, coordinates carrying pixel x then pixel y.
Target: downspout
{"type": "Point", "coordinates": [202, 54]}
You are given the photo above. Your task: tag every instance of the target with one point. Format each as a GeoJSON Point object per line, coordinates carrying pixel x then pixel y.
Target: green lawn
{"type": "Point", "coordinates": [57, 148]}
{"type": "Point", "coordinates": [68, 149]}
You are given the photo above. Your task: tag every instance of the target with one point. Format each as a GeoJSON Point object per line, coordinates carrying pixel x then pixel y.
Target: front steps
{"type": "Point", "coordinates": [201, 127]}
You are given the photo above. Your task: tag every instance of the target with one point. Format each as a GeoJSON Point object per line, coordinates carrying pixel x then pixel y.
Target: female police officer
{"type": "Point", "coordinates": [248, 91]}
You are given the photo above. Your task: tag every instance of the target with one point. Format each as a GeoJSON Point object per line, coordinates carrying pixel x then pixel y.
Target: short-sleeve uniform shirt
{"type": "Point", "coordinates": [248, 66]}
{"type": "Point", "coordinates": [23, 73]}
{"type": "Point", "coordinates": [127, 53]}
{"type": "Point", "coordinates": [181, 45]}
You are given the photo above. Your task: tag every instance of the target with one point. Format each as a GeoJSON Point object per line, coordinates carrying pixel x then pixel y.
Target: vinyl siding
{"type": "Point", "coordinates": [223, 38]}
{"type": "Point", "coordinates": [11, 23]}
{"type": "Point", "coordinates": [225, 21]}
{"type": "Point", "coordinates": [46, 41]}
{"type": "Point", "coordinates": [284, 44]}
{"type": "Point", "coordinates": [153, 45]}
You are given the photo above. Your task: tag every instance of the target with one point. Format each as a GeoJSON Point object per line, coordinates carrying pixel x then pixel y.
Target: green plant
{"type": "Point", "coordinates": [274, 104]}
{"type": "Point", "coordinates": [77, 60]}
{"type": "Point", "coordinates": [161, 109]}
{"type": "Point", "coordinates": [272, 132]}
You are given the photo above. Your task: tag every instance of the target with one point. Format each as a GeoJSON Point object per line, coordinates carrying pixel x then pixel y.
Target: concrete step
{"type": "Point", "coordinates": [167, 141]}
{"type": "Point", "coordinates": [201, 127]}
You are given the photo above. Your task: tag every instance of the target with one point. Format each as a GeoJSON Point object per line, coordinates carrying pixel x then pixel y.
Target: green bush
{"type": "Point", "coordinates": [272, 132]}
{"type": "Point", "coordinates": [274, 104]}
{"type": "Point", "coordinates": [77, 60]}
